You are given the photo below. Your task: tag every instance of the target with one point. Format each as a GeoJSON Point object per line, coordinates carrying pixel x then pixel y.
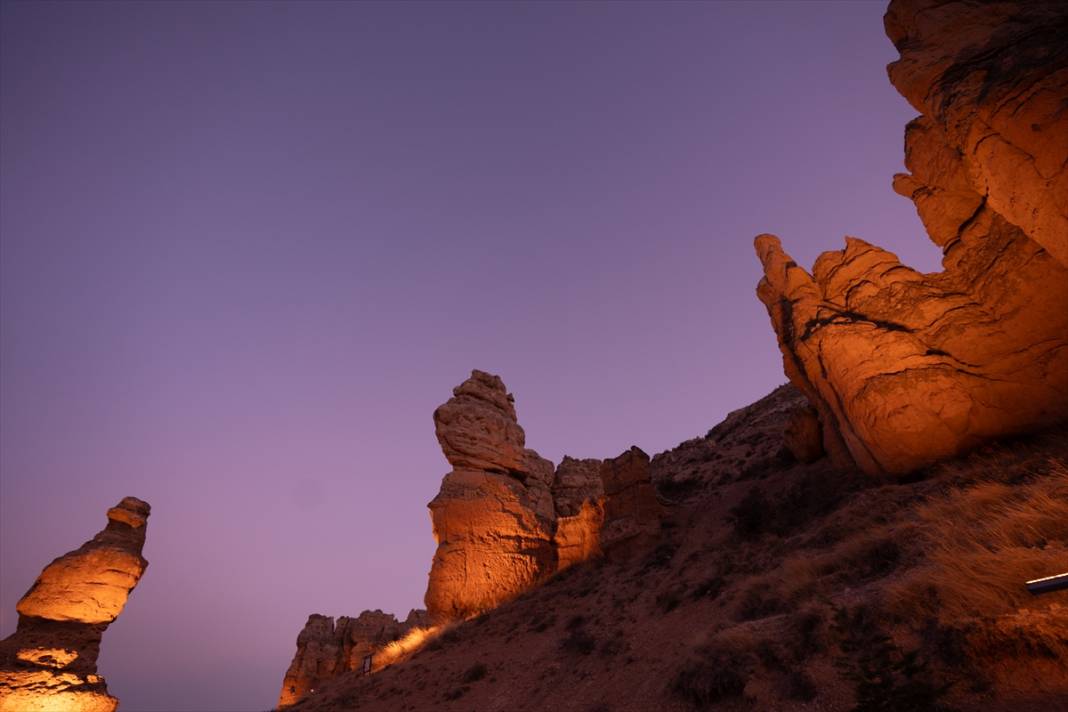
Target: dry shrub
{"type": "Point", "coordinates": [868, 555]}
{"type": "Point", "coordinates": [984, 542]}
{"type": "Point", "coordinates": [714, 674]}
{"type": "Point", "coordinates": [777, 591]}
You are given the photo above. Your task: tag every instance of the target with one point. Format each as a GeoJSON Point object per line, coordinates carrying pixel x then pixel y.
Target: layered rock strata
{"type": "Point", "coordinates": [49, 662]}
{"type": "Point", "coordinates": [906, 368]}
{"type": "Point", "coordinates": [326, 649]}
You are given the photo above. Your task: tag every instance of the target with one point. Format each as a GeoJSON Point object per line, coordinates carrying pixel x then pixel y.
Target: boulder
{"type": "Point", "coordinates": [803, 436]}
{"type": "Point", "coordinates": [49, 662]}
{"type": "Point", "coordinates": [905, 368]}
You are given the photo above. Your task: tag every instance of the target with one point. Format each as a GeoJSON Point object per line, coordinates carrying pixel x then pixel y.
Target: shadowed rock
{"type": "Point", "coordinates": [49, 663]}
{"type": "Point", "coordinates": [578, 496]}
{"type": "Point", "coordinates": [906, 368]}
{"type": "Point", "coordinates": [326, 650]}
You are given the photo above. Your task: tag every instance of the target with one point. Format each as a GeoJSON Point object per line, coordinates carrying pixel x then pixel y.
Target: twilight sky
{"type": "Point", "coordinates": [247, 248]}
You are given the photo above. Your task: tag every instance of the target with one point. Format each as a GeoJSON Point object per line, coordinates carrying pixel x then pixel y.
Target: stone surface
{"type": "Point", "coordinates": [748, 441]}
{"type": "Point", "coordinates": [494, 516]}
{"type": "Point", "coordinates": [578, 497]}
{"type": "Point", "coordinates": [49, 662]}
{"type": "Point", "coordinates": [326, 650]}
{"type": "Point", "coordinates": [631, 506]}
{"type": "Point", "coordinates": [905, 368]}
{"type": "Point", "coordinates": [803, 436]}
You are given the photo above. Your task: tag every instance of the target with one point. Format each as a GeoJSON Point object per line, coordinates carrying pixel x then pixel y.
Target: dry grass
{"type": "Point", "coordinates": [984, 541]}
{"type": "Point", "coordinates": [403, 648]}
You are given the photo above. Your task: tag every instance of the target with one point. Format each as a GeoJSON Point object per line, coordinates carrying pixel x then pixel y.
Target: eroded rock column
{"type": "Point", "coordinates": [493, 518]}
{"type": "Point", "coordinates": [49, 663]}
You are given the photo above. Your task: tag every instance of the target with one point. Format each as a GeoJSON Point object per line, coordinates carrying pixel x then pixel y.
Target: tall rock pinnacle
{"type": "Point", "coordinates": [494, 517]}
{"type": "Point", "coordinates": [49, 662]}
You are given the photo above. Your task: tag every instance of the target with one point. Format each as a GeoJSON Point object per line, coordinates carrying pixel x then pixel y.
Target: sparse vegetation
{"type": "Point", "coordinates": [578, 640]}
{"type": "Point", "coordinates": [475, 673]}
{"type": "Point", "coordinates": [714, 675]}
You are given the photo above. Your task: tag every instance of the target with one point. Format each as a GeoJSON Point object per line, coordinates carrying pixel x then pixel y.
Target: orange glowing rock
{"type": "Point", "coordinates": [49, 663]}
{"type": "Point", "coordinates": [504, 520]}
{"type": "Point", "coordinates": [493, 518]}
{"type": "Point", "coordinates": [907, 368]}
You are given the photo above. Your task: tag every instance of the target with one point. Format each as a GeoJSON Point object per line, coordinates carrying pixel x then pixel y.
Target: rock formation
{"type": "Point", "coordinates": [493, 518]}
{"type": "Point", "coordinates": [631, 507]}
{"type": "Point", "coordinates": [504, 520]}
{"type": "Point", "coordinates": [325, 650]}
{"type": "Point", "coordinates": [750, 441]}
{"type": "Point", "coordinates": [578, 497]}
{"type": "Point", "coordinates": [49, 663]}
{"type": "Point", "coordinates": [906, 368]}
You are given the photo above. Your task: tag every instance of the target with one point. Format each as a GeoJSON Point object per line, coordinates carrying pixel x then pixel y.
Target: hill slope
{"type": "Point", "coordinates": [777, 585]}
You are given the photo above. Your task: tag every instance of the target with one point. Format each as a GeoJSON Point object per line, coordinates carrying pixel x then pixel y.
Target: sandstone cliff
{"type": "Point", "coordinates": [49, 663]}
{"type": "Point", "coordinates": [906, 368]}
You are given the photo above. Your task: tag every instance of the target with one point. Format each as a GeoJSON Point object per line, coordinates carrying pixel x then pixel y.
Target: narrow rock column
{"type": "Point", "coordinates": [49, 662]}
{"type": "Point", "coordinates": [493, 518]}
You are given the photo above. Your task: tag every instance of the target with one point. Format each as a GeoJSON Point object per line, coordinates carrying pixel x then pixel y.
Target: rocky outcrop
{"type": "Point", "coordinates": [803, 436]}
{"type": "Point", "coordinates": [906, 368]}
{"type": "Point", "coordinates": [49, 663]}
{"type": "Point", "coordinates": [504, 520]}
{"type": "Point", "coordinates": [326, 650]}
{"type": "Point", "coordinates": [579, 500]}
{"type": "Point", "coordinates": [631, 507]}
{"type": "Point", "coordinates": [494, 517]}
{"type": "Point", "coordinates": [748, 442]}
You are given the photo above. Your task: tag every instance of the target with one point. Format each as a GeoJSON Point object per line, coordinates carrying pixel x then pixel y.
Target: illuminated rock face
{"type": "Point", "coordinates": [504, 520]}
{"type": "Point", "coordinates": [906, 368]}
{"type": "Point", "coordinates": [325, 650]}
{"type": "Point", "coordinates": [49, 663]}
{"type": "Point", "coordinates": [494, 517]}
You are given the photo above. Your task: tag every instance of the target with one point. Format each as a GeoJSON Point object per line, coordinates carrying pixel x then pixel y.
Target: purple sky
{"type": "Point", "coordinates": [248, 248]}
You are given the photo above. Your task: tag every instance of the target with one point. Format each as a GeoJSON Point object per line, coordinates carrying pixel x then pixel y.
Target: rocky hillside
{"type": "Point", "coordinates": [810, 551]}
{"type": "Point", "coordinates": [778, 585]}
